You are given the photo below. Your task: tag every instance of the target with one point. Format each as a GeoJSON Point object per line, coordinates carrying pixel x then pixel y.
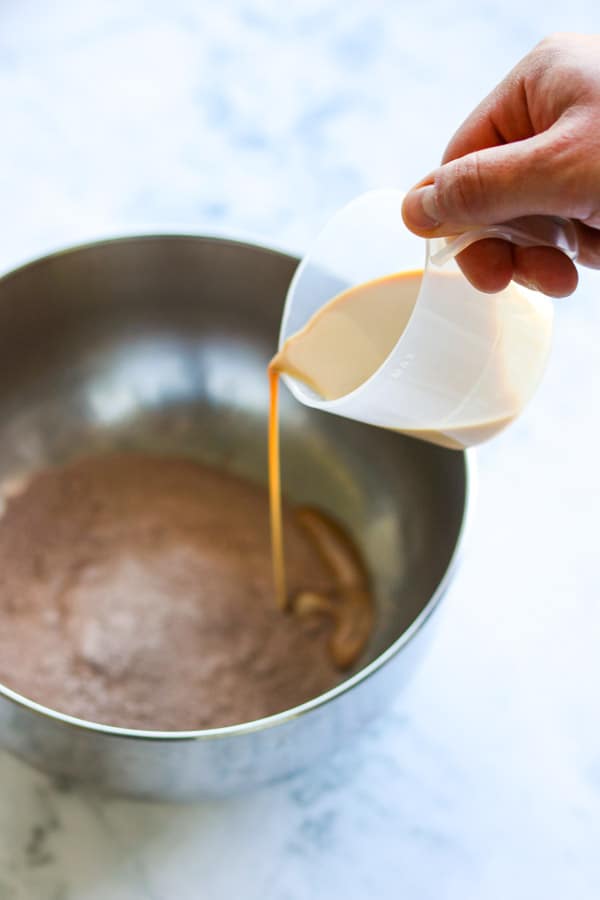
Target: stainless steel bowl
{"type": "Point", "coordinates": [160, 343]}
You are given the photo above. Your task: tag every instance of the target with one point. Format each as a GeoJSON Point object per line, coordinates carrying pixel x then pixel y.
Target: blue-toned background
{"type": "Point", "coordinates": [263, 117]}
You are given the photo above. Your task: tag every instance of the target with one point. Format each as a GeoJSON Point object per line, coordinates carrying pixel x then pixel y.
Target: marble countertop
{"type": "Point", "coordinates": [483, 781]}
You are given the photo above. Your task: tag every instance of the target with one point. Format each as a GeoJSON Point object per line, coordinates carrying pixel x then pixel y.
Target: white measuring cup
{"type": "Point", "coordinates": [465, 363]}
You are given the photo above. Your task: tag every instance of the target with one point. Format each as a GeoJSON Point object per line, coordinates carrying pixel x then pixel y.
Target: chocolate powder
{"type": "Point", "coordinates": [137, 591]}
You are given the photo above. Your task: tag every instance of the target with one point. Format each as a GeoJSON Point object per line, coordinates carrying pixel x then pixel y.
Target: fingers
{"type": "Point", "coordinates": [491, 186]}
{"type": "Point", "coordinates": [487, 264]}
{"type": "Point", "coordinates": [501, 118]}
{"type": "Point", "coordinates": [491, 264]}
{"type": "Point", "coordinates": [545, 269]}
{"type": "Point", "coordinates": [529, 148]}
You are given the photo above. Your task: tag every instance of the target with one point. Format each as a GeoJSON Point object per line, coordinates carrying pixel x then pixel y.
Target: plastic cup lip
{"type": "Point", "coordinates": [301, 391]}
{"type": "Point", "coordinates": [373, 404]}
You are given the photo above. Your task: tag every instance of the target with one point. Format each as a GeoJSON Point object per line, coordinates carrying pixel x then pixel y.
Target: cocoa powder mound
{"type": "Point", "coordinates": [137, 591]}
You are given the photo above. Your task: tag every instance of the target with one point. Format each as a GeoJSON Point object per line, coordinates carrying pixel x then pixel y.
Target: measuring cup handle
{"type": "Point", "coordinates": [526, 231]}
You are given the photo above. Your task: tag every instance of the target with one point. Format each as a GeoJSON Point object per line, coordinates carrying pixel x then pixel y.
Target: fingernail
{"type": "Point", "coordinates": [420, 208]}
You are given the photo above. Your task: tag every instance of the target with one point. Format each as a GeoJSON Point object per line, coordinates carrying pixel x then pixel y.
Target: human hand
{"type": "Point", "coordinates": [531, 147]}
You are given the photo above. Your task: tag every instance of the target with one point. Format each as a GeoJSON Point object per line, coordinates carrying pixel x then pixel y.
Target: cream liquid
{"type": "Point", "coordinates": [349, 338]}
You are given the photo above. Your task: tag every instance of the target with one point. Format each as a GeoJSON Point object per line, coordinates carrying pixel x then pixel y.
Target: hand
{"type": "Point", "coordinates": [531, 147]}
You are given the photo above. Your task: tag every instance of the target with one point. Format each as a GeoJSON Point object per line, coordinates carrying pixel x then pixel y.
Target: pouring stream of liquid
{"type": "Point", "coordinates": [350, 605]}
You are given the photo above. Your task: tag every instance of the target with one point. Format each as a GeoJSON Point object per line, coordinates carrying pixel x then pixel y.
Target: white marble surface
{"type": "Point", "coordinates": [484, 779]}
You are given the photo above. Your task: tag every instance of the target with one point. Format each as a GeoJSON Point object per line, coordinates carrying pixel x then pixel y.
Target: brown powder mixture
{"type": "Point", "coordinates": [137, 591]}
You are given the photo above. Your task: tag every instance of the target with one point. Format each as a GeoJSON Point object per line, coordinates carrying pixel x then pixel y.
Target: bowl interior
{"type": "Point", "coordinates": [161, 344]}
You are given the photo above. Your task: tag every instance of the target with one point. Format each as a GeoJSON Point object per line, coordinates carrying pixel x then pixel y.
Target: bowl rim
{"type": "Point", "coordinates": [286, 716]}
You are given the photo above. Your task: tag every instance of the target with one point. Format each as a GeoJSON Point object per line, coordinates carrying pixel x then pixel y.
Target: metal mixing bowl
{"type": "Point", "coordinates": [160, 343]}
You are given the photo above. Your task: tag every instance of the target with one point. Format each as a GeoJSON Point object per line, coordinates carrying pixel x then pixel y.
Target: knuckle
{"type": "Point", "coordinates": [567, 56]}
{"type": "Point", "coordinates": [553, 53]}
{"type": "Point", "coordinates": [557, 156]}
{"type": "Point", "coordinates": [572, 160]}
{"type": "Point", "coordinates": [461, 192]}
{"type": "Point", "coordinates": [552, 44]}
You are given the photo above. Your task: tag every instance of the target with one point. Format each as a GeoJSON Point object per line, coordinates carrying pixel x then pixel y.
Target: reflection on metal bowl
{"type": "Point", "coordinates": [160, 343]}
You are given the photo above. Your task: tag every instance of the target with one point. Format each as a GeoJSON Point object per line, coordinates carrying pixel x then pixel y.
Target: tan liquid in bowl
{"type": "Point", "coordinates": [350, 606]}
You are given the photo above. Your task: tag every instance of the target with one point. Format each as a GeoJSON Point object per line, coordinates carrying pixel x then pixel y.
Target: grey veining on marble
{"type": "Point", "coordinates": [260, 117]}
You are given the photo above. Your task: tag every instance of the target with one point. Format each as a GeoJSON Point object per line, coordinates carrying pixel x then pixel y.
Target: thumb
{"type": "Point", "coordinates": [492, 185]}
